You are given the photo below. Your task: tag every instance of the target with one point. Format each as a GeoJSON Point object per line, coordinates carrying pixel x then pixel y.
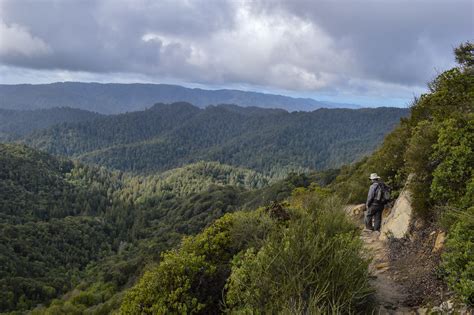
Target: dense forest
{"type": "Point", "coordinates": [17, 123]}
{"type": "Point", "coordinates": [269, 141]}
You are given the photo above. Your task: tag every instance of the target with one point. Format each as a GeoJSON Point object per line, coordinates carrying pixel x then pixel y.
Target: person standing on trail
{"type": "Point", "coordinates": [376, 199]}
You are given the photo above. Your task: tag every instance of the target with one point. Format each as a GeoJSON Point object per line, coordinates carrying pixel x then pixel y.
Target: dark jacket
{"type": "Point", "coordinates": [371, 196]}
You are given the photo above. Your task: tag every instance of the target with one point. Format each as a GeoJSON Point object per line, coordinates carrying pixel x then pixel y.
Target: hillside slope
{"type": "Point", "coordinates": [17, 123]}
{"type": "Point", "coordinates": [434, 147]}
{"type": "Point", "coordinates": [63, 223]}
{"type": "Point", "coordinates": [169, 136]}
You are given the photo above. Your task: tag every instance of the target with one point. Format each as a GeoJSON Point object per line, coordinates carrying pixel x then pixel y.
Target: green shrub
{"type": "Point", "coordinates": [313, 266]}
{"type": "Point", "coordinates": [417, 156]}
{"type": "Point", "coordinates": [454, 151]}
{"type": "Point", "coordinates": [170, 288]}
{"type": "Point", "coordinates": [458, 262]}
{"type": "Point", "coordinates": [85, 298]}
{"type": "Point", "coordinates": [190, 280]}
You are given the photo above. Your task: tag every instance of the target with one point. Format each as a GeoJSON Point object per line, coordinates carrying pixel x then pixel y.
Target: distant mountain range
{"type": "Point", "coordinates": [113, 98]}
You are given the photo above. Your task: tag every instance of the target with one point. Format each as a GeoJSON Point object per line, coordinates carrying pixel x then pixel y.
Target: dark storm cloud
{"type": "Point", "coordinates": [343, 47]}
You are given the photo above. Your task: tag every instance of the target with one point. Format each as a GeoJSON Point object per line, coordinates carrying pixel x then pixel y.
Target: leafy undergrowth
{"type": "Point", "coordinates": [415, 266]}
{"type": "Point", "coordinates": [458, 262]}
{"type": "Point", "coordinates": [304, 256]}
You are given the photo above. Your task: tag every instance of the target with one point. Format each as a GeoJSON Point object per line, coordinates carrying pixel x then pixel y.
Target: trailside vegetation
{"type": "Point", "coordinates": [300, 256]}
{"type": "Point", "coordinates": [436, 145]}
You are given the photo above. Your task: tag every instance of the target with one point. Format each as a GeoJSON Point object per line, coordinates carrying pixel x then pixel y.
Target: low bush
{"type": "Point", "coordinates": [458, 262]}
{"type": "Point", "coordinates": [313, 266]}
{"type": "Point", "coordinates": [191, 279]}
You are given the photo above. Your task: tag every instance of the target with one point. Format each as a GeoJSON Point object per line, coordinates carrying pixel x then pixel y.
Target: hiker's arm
{"type": "Point", "coordinates": [370, 196]}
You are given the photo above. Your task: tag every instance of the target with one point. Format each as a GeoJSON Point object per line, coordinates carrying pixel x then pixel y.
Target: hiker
{"type": "Point", "coordinates": [376, 199]}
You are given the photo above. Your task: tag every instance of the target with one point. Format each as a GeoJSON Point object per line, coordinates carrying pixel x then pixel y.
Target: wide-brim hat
{"type": "Point", "coordinates": [374, 176]}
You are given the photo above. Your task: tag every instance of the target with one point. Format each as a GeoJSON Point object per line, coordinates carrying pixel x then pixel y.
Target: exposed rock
{"type": "Point", "coordinates": [447, 306]}
{"type": "Point", "coordinates": [355, 211]}
{"type": "Point", "coordinates": [358, 209]}
{"type": "Point", "coordinates": [439, 243]}
{"type": "Point", "coordinates": [386, 211]}
{"type": "Point", "coordinates": [396, 224]}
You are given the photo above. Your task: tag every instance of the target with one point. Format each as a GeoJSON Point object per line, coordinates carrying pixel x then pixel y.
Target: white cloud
{"type": "Point", "coordinates": [16, 40]}
{"type": "Point", "coordinates": [274, 50]}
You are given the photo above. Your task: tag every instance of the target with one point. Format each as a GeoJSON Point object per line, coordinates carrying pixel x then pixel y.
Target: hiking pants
{"type": "Point", "coordinates": [374, 213]}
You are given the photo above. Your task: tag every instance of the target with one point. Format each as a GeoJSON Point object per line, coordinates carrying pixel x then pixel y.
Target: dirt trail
{"type": "Point", "coordinates": [404, 270]}
{"type": "Point", "coordinates": [389, 294]}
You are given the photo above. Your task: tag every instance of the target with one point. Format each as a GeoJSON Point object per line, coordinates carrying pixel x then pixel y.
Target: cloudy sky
{"type": "Point", "coordinates": [371, 52]}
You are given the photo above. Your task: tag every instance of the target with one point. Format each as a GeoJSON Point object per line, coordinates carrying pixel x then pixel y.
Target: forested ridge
{"type": "Point", "coordinates": [17, 123]}
{"type": "Point", "coordinates": [269, 141]}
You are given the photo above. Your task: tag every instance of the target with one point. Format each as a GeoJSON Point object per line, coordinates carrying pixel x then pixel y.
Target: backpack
{"type": "Point", "coordinates": [382, 193]}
